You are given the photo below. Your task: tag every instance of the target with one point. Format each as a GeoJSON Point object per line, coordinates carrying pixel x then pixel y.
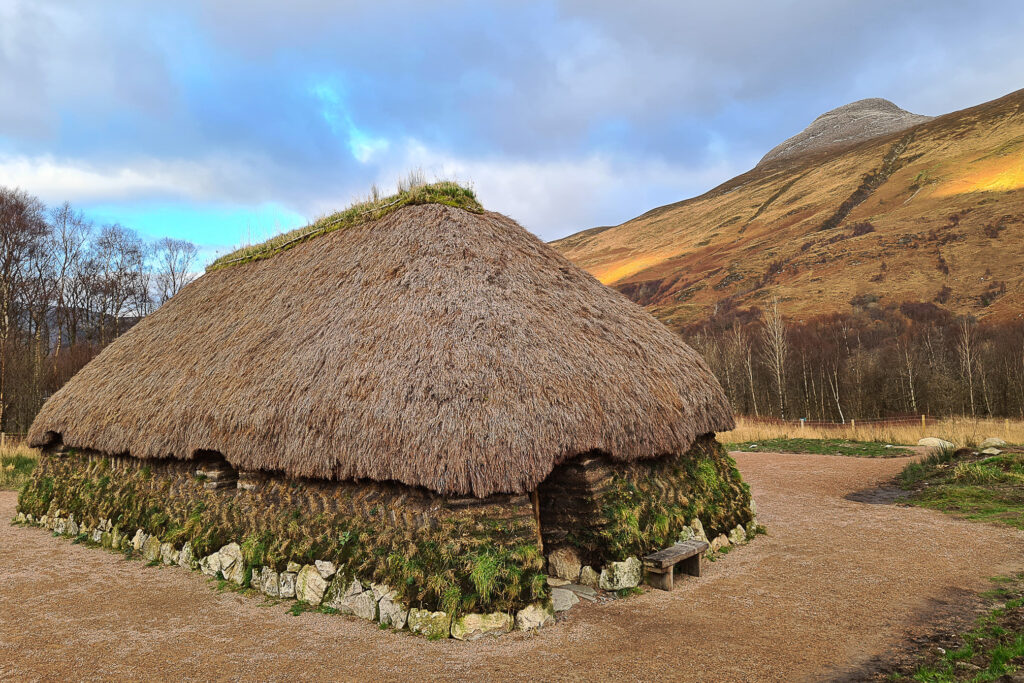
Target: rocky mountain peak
{"type": "Point", "coordinates": [847, 125]}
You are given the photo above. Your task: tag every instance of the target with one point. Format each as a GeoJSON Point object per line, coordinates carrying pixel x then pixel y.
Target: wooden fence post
{"type": "Point", "coordinates": [924, 426]}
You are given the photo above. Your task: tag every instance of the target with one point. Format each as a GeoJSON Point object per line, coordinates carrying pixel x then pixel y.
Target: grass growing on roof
{"type": "Point", "coordinates": [372, 209]}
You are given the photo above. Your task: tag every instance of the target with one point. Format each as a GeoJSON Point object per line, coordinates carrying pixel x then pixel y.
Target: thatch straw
{"type": "Point", "coordinates": [435, 347]}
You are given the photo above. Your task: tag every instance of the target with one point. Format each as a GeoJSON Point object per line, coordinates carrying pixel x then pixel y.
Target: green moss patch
{"type": "Point", "coordinates": [446, 193]}
{"type": "Point", "coordinates": [992, 649]}
{"type": "Point", "coordinates": [16, 467]}
{"type": "Point", "coordinates": [978, 487]}
{"type": "Point", "coordinates": [857, 449]}
{"type": "Point", "coordinates": [645, 505]}
{"type": "Point", "coordinates": [484, 559]}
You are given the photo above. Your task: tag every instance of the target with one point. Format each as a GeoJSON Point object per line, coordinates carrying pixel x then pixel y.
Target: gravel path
{"type": "Point", "coordinates": [834, 583]}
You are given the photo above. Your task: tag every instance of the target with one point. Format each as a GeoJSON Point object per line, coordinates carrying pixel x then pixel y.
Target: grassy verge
{"type": "Point", "coordinates": [859, 449]}
{"type": "Point", "coordinates": [992, 650]}
{"type": "Point", "coordinates": [979, 487]}
{"type": "Point", "coordinates": [16, 465]}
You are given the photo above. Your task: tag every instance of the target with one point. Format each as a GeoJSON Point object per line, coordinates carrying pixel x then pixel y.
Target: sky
{"type": "Point", "coordinates": [227, 122]}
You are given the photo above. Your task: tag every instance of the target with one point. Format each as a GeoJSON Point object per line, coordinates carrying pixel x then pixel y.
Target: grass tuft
{"type": "Point", "coordinates": [412, 191]}
{"type": "Point", "coordinates": [859, 449]}
{"type": "Point", "coordinates": [988, 489]}
{"type": "Point", "coordinates": [16, 465]}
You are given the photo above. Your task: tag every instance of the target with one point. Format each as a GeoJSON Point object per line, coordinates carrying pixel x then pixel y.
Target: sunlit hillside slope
{"type": "Point", "coordinates": [932, 213]}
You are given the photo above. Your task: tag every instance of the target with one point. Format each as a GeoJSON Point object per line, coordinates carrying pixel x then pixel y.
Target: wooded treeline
{"type": "Point", "coordinates": [67, 288]}
{"type": "Point", "coordinates": [877, 361]}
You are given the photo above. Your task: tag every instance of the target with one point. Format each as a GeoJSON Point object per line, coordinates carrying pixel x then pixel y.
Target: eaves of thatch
{"type": "Point", "coordinates": [435, 346]}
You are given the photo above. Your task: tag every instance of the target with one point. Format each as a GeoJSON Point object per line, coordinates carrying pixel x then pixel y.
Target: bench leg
{"type": "Point", "coordinates": [660, 579]}
{"type": "Point", "coordinates": [691, 565]}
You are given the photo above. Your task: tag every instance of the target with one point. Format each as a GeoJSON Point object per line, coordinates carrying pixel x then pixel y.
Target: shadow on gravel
{"type": "Point", "coordinates": [881, 495]}
{"type": "Point", "coordinates": [938, 623]}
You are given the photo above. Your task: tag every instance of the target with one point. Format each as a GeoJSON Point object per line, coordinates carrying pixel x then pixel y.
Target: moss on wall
{"type": "Point", "coordinates": [460, 557]}
{"type": "Point", "coordinates": [609, 511]}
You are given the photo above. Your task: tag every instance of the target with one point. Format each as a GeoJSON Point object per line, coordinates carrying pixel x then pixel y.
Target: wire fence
{"type": "Point", "coordinates": [893, 420]}
{"type": "Point", "coordinates": [12, 439]}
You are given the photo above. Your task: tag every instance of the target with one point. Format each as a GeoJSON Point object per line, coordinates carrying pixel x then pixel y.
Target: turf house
{"type": "Point", "coordinates": [411, 411]}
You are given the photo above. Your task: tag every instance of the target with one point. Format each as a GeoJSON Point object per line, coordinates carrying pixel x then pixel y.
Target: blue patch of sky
{"type": "Point", "coordinates": [216, 227]}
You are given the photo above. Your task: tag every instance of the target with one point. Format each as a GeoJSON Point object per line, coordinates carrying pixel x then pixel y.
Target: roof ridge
{"type": "Point", "coordinates": [444, 192]}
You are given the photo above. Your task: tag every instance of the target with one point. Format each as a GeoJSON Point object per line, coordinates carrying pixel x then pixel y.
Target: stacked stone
{"type": "Point", "coordinates": [318, 584]}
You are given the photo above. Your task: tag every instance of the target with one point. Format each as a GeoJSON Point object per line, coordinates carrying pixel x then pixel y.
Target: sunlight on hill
{"type": "Point", "coordinates": [621, 270]}
{"type": "Point", "coordinates": [1000, 176]}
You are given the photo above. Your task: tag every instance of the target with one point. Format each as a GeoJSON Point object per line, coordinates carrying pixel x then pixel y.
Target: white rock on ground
{"type": "Point", "coordinates": [991, 451]}
{"type": "Point", "coordinates": [326, 569]}
{"type": "Point", "coordinates": [589, 577]}
{"type": "Point", "coordinates": [565, 564]}
{"type": "Point", "coordinates": [293, 567]}
{"type": "Point", "coordinates": [993, 442]}
{"type": "Point", "coordinates": [738, 535]}
{"type": "Point", "coordinates": [270, 583]}
{"type": "Point", "coordinates": [620, 575]}
{"type": "Point", "coordinates": [363, 606]}
{"type": "Point", "coordinates": [534, 616]}
{"type": "Point", "coordinates": [139, 540]}
{"type": "Point", "coordinates": [168, 555]}
{"type": "Point", "coordinates": [210, 565]}
{"type": "Point", "coordinates": [391, 612]}
{"type": "Point", "coordinates": [96, 535]}
{"type": "Point", "coordinates": [430, 624]}
{"type": "Point", "coordinates": [232, 564]}
{"type": "Point", "coordinates": [718, 542]}
{"type": "Point", "coordinates": [935, 443]}
{"type": "Point", "coordinates": [287, 584]}
{"type": "Point", "coordinates": [73, 529]}
{"type": "Point", "coordinates": [476, 626]}
{"type": "Point", "coordinates": [185, 557]}
{"type": "Point", "coordinates": [563, 599]}
{"type": "Point", "coordinates": [151, 549]}
{"type": "Point", "coordinates": [309, 585]}
{"type": "Point", "coordinates": [340, 592]}
{"type": "Point", "coordinates": [698, 530]}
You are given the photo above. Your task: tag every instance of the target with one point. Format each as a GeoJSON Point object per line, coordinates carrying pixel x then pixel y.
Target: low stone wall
{"type": "Point", "coordinates": [596, 512]}
{"type": "Point", "coordinates": [411, 553]}
{"type": "Point", "coordinates": [404, 557]}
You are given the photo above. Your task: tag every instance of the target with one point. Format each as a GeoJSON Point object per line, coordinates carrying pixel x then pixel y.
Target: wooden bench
{"type": "Point", "coordinates": [660, 566]}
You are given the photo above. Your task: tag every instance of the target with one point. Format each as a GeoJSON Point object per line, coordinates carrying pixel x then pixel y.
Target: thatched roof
{"type": "Point", "coordinates": [434, 346]}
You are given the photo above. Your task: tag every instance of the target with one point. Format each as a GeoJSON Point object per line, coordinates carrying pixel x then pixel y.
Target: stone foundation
{"type": "Point", "coordinates": [431, 550]}
{"type": "Point", "coordinates": [404, 557]}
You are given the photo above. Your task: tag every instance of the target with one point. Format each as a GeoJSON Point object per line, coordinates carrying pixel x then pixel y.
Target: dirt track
{"type": "Point", "coordinates": [834, 583]}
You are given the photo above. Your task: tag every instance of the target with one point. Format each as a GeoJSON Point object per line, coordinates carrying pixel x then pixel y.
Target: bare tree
{"type": "Point", "coordinates": [775, 347]}
{"type": "Point", "coordinates": [966, 349]}
{"type": "Point", "coordinates": [68, 244]}
{"type": "Point", "coordinates": [118, 259]}
{"type": "Point", "coordinates": [22, 230]}
{"type": "Point", "coordinates": [175, 266]}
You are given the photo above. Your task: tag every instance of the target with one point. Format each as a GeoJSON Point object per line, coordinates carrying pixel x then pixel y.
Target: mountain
{"type": "Point", "coordinates": [870, 206]}
{"type": "Point", "coordinates": [846, 125]}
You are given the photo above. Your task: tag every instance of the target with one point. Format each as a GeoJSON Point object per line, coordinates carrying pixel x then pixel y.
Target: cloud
{"type": "Point", "coordinates": [56, 180]}
{"type": "Point", "coordinates": [565, 114]}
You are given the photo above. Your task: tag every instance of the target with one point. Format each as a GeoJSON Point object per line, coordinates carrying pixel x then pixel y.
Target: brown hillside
{"type": "Point", "coordinates": [931, 213]}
